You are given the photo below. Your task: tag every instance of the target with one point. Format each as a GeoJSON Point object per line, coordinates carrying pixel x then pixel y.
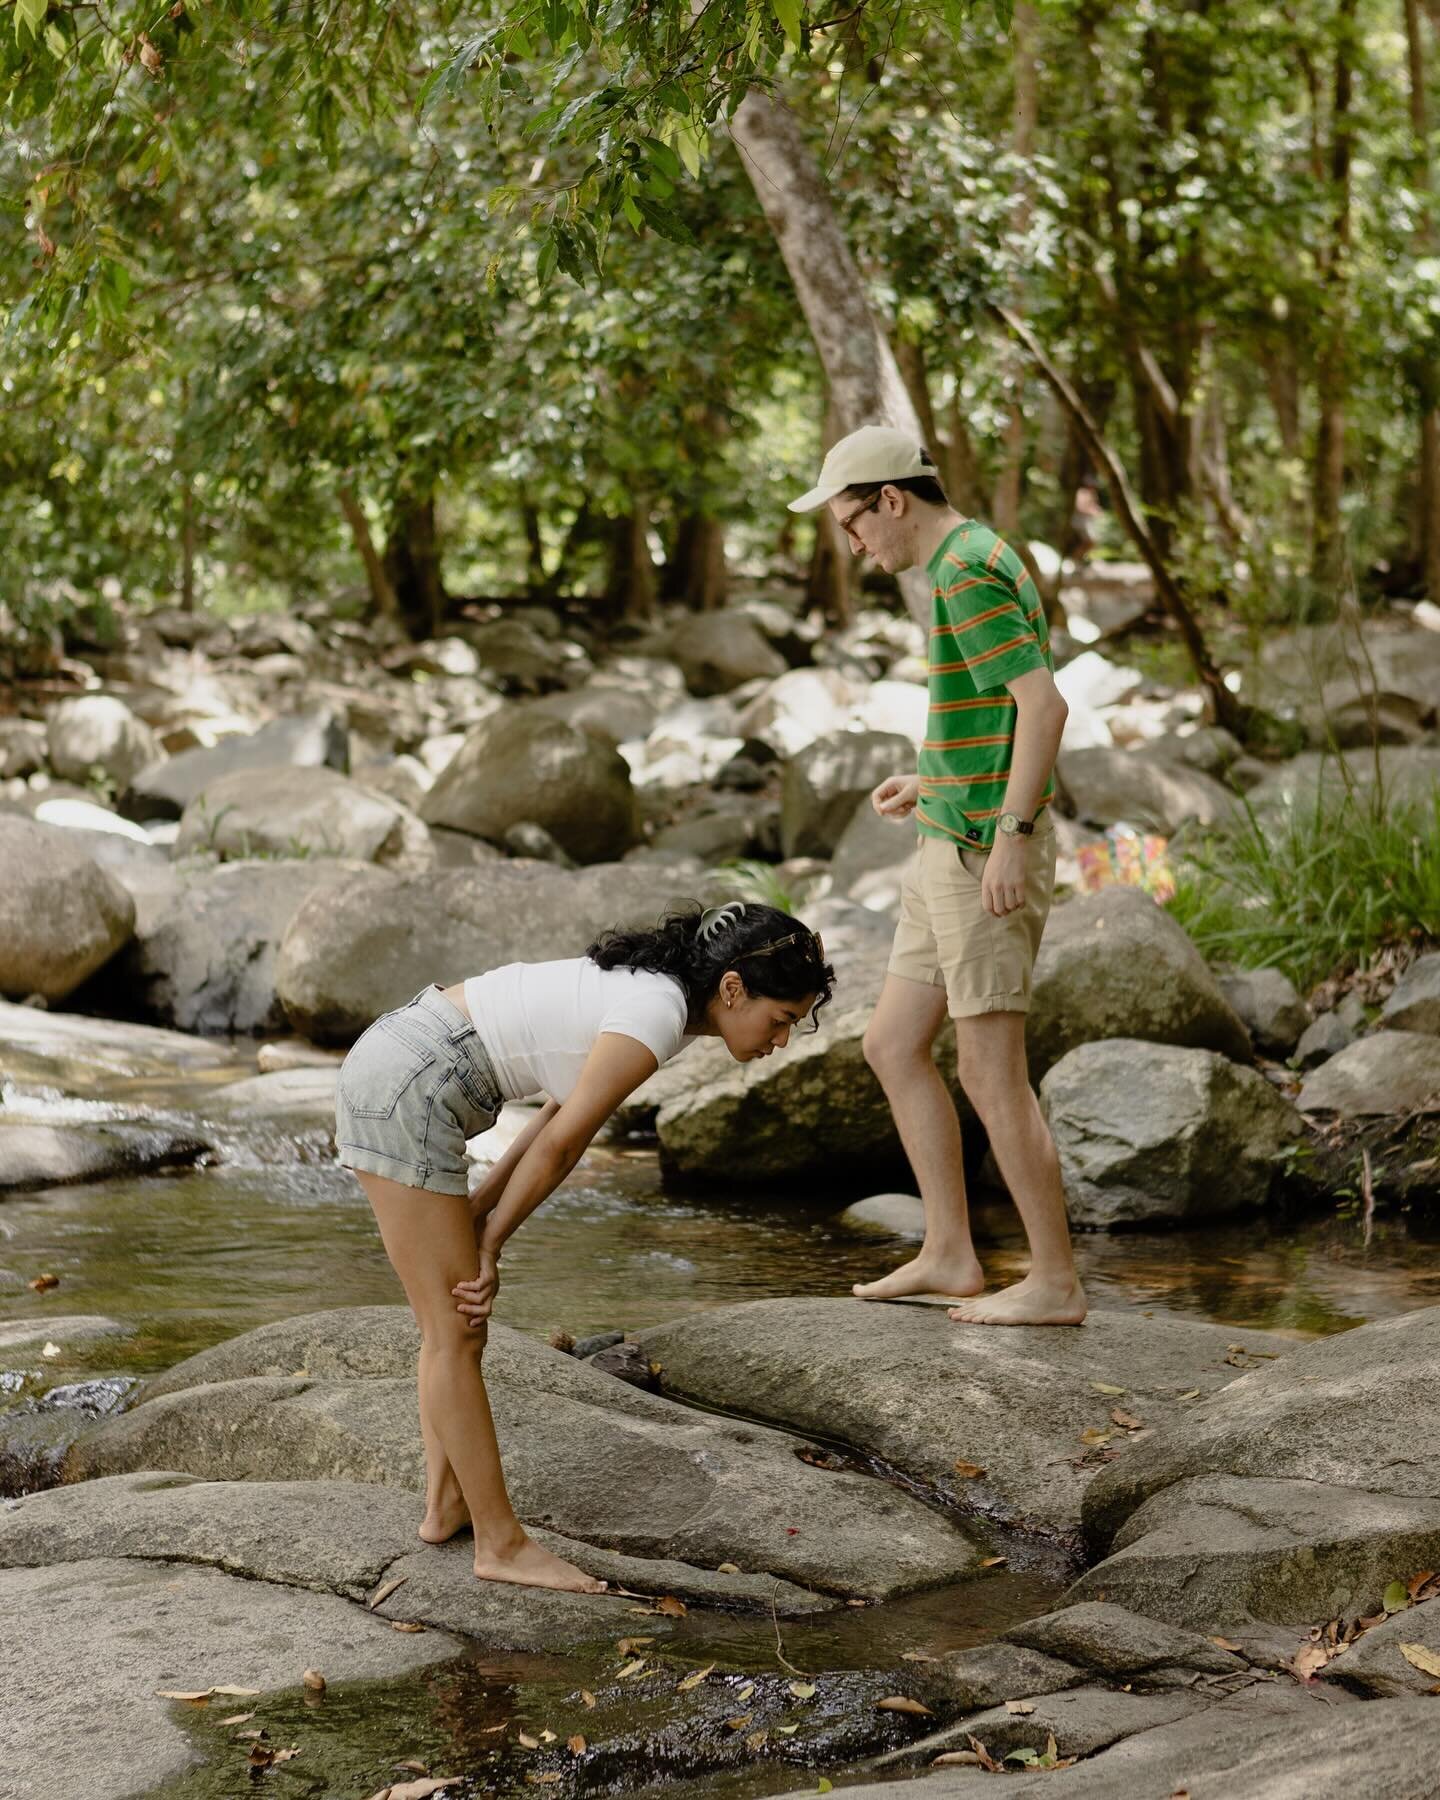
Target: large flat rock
{"type": "Point", "coordinates": [84, 1055]}
{"type": "Point", "coordinates": [1264, 1744]}
{"type": "Point", "coordinates": [84, 1646]}
{"type": "Point", "coordinates": [615, 1467]}
{"type": "Point", "coordinates": [905, 1384]}
{"type": "Point", "coordinates": [1294, 1495]}
{"type": "Point", "coordinates": [348, 1539]}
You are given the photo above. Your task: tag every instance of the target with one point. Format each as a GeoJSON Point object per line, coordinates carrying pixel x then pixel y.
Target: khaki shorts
{"type": "Point", "coordinates": [946, 938]}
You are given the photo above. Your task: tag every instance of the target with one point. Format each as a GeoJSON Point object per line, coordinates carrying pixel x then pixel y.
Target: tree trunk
{"type": "Point", "coordinates": [187, 543]}
{"type": "Point", "coordinates": [860, 369]}
{"type": "Point", "coordinates": [630, 586]}
{"type": "Point", "coordinates": [1221, 705]}
{"type": "Point", "coordinates": [1022, 148]}
{"type": "Point", "coordinates": [535, 580]}
{"type": "Point", "coordinates": [1327, 559]}
{"type": "Point", "coordinates": [1429, 483]}
{"type": "Point", "coordinates": [964, 477]}
{"type": "Point", "coordinates": [696, 572]}
{"type": "Point", "coordinates": [412, 563]}
{"type": "Point", "coordinates": [382, 594]}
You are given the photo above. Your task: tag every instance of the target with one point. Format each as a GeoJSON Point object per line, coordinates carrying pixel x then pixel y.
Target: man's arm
{"type": "Point", "coordinates": [1040, 715]}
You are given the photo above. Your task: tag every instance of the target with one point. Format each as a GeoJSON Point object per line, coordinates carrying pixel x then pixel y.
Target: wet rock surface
{"type": "Point", "coordinates": [34, 1155]}
{"type": "Point", "coordinates": [616, 1467]}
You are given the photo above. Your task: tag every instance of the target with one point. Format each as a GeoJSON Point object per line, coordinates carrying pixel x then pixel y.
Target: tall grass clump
{"type": "Point", "coordinates": [1315, 890]}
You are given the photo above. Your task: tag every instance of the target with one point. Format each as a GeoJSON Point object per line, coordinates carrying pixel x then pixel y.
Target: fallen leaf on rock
{"type": "Point", "coordinates": [631, 1669]}
{"type": "Point", "coordinates": [1019, 1706]}
{"type": "Point", "coordinates": [969, 1471]}
{"type": "Point", "coordinates": [408, 1625]}
{"type": "Point", "coordinates": [902, 1703]}
{"type": "Point", "coordinates": [51, 1350]}
{"type": "Point", "coordinates": [236, 1719]}
{"type": "Point", "coordinates": [576, 1745]}
{"type": "Point", "coordinates": [1425, 1586]}
{"type": "Point", "coordinates": [181, 1694]}
{"type": "Point", "coordinates": [746, 1691]}
{"type": "Point", "coordinates": [757, 1740]}
{"type": "Point", "coordinates": [547, 1737]}
{"type": "Point", "coordinates": [314, 1680]}
{"type": "Point", "coordinates": [588, 1698]}
{"type": "Point", "coordinates": [413, 1764]}
{"type": "Point", "coordinates": [1190, 1394]}
{"type": "Point", "coordinates": [1421, 1658]}
{"type": "Point", "coordinates": [628, 1646]}
{"type": "Point", "coordinates": [787, 1730]}
{"type": "Point", "coordinates": [693, 1681]}
{"type": "Point", "coordinates": [803, 1690]}
{"type": "Point", "coordinates": [993, 1562]}
{"type": "Point", "coordinates": [1395, 1598]}
{"type": "Point", "coordinates": [739, 1722]}
{"type": "Point", "coordinates": [1093, 1435]}
{"type": "Point", "coordinates": [1106, 1387]}
{"type": "Point", "coordinates": [1128, 1420]}
{"type": "Point", "coordinates": [1308, 1660]}
{"type": "Point", "coordinates": [1224, 1643]}
{"type": "Point", "coordinates": [236, 1693]}
{"type": "Point", "coordinates": [43, 1283]}
{"type": "Point", "coordinates": [986, 1760]}
{"type": "Point", "coordinates": [671, 1607]}
{"type": "Point", "coordinates": [415, 1790]}
{"type": "Point", "coordinates": [728, 1569]}
{"type": "Point", "coordinates": [263, 1757]}
{"type": "Point", "coordinates": [827, 1786]}
{"type": "Point", "coordinates": [383, 1593]}
{"type": "Point", "coordinates": [956, 1759]}
{"type": "Point", "coordinates": [528, 1742]}
{"type": "Point", "coordinates": [917, 1656]}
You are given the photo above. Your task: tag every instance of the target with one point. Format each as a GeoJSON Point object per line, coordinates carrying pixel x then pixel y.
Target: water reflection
{"type": "Point", "coordinates": [190, 1258]}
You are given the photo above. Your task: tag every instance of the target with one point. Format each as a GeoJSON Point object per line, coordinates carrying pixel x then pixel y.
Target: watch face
{"type": "Point", "coordinates": [1009, 823]}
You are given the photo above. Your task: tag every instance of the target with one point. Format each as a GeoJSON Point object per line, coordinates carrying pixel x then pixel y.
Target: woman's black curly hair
{"type": "Point", "coordinates": [695, 947]}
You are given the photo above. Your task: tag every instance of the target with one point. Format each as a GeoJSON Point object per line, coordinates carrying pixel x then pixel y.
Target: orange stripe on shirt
{"type": "Point", "coordinates": [999, 650]}
{"type": "Point", "coordinates": [994, 556]}
{"type": "Point", "coordinates": [1000, 737]}
{"type": "Point", "coordinates": [939, 706]}
{"type": "Point", "coordinates": [938, 781]}
{"type": "Point", "coordinates": [978, 619]}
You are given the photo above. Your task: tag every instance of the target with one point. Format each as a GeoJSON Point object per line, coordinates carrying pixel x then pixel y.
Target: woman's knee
{"type": "Point", "coordinates": [451, 1334]}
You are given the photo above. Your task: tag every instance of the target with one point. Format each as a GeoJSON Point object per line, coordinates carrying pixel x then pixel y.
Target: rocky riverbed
{"type": "Point", "coordinates": [1186, 1547]}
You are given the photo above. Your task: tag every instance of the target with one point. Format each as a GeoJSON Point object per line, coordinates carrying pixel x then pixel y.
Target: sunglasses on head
{"type": "Point", "coordinates": [795, 937]}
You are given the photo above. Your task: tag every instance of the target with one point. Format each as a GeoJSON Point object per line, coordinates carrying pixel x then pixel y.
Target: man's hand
{"type": "Point", "coordinates": [1002, 887]}
{"type": "Point", "coordinates": [896, 796]}
{"type": "Point", "coordinates": [473, 1299]}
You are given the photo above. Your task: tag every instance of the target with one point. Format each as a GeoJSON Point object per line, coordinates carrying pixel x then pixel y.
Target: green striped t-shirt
{"type": "Point", "coordinates": [987, 627]}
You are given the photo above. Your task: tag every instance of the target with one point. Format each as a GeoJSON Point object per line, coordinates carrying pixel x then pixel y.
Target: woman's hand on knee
{"type": "Point", "coordinates": [474, 1298]}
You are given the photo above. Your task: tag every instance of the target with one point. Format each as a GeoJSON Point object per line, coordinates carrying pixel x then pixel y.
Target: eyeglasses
{"type": "Point", "coordinates": [847, 524]}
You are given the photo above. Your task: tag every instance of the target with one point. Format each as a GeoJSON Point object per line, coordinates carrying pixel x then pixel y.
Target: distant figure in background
{"type": "Point", "coordinates": [976, 896]}
{"type": "Point", "coordinates": [585, 1033]}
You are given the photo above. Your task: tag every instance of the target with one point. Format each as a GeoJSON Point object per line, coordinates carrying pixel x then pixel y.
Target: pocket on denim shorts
{"type": "Point", "coordinates": [378, 1071]}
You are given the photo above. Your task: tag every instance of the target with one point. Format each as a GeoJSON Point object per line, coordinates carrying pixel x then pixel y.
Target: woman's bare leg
{"type": "Point", "coordinates": [430, 1240]}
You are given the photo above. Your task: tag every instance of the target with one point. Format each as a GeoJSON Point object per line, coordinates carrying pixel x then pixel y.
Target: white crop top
{"type": "Point", "coordinates": [539, 1021]}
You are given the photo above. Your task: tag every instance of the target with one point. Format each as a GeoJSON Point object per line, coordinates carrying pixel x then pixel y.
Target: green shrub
{"type": "Point", "coordinates": [1315, 890]}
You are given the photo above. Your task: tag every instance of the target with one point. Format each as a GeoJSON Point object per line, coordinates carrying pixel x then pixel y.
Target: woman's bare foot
{"type": "Point", "coordinates": [925, 1275]}
{"type": "Point", "coordinates": [527, 1565]}
{"type": "Point", "coordinates": [443, 1518]}
{"type": "Point", "coordinates": [1028, 1302]}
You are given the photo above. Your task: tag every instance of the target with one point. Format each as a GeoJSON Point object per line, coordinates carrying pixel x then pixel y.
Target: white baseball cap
{"type": "Point", "coordinates": [874, 453]}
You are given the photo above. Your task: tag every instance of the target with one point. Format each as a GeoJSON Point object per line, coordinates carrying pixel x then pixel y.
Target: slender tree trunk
{"type": "Point", "coordinates": [910, 360]}
{"type": "Point", "coordinates": [1327, 561]}
{"type": "Point", "coordinates": [382, 594]}
{"type": "Point", "coordinates": [827, 582]}
{"type": "Point", "coordinates": [1429, 484]}
{"type": "Point", "coordinates": [534, 547]}
{"type": "Point", "coordinates": [964, 477]}
{"type": "Point", "coordinates": [1022, 147]}
{"type": "Point", "coordinates": [187, 543]}
{"type": "Point", "coordinates": [707, 577]}
{"type": "Point", "coordinates": [412, 563]}
{"type": "Point", "coordinates": [1221, 705]}
{"type": "Point", "coordinates": [860, 368]}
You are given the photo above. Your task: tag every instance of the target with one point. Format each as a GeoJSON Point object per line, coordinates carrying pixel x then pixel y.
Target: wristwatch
{"type": "Point", "coordinates": [1014, 826]}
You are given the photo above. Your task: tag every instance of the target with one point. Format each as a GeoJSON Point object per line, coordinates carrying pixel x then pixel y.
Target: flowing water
{"type": "Point", "coordinates": [183, 1260]}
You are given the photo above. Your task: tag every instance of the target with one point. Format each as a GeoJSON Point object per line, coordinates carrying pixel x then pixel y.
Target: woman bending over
{"type": "Point", "coordinates": [585, 1033]}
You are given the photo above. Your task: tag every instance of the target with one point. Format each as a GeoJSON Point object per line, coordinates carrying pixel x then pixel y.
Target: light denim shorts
{"type": "Point", "coordinates": [414, 1087]}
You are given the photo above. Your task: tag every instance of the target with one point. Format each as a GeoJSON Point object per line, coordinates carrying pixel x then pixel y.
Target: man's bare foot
{"type": "Point", "coordinates": [527, 1565]}
{"type": "Point", "coordinates": [443, 1519]}
{"type": "Point", "coordinates": [924, 1275]}
{"type": "Point", "coordinates": [1028, 1302]}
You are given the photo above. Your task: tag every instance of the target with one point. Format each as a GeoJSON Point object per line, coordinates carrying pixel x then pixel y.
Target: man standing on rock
{"type": "Point", "coordinates": [975, 898]}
